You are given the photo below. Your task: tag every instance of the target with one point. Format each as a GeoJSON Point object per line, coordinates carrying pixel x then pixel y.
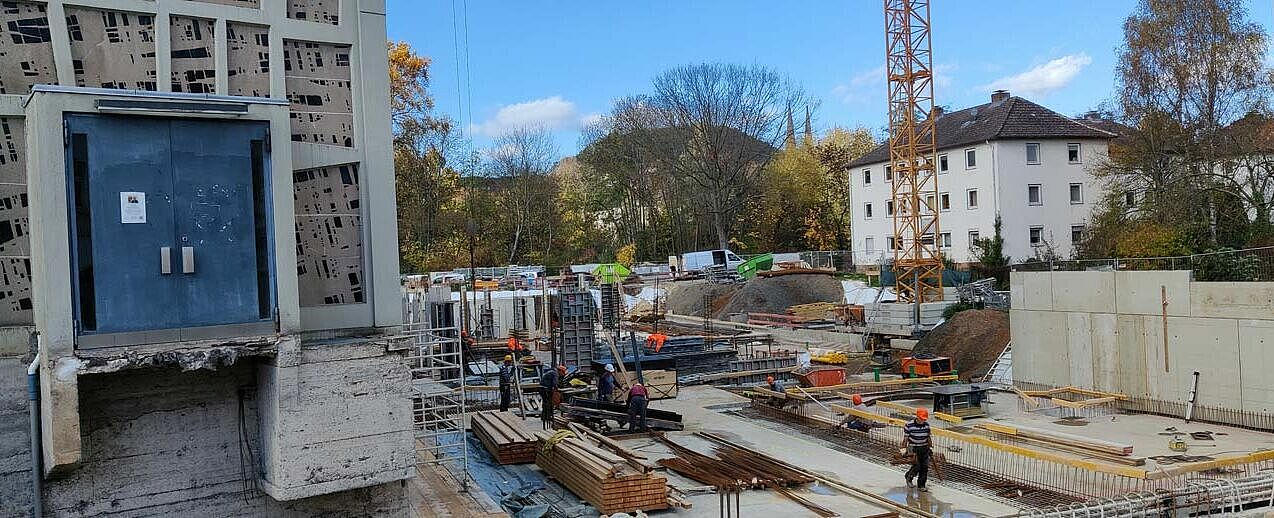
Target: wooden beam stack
{"type": "Point", "coordinates": [611, 482]}
{"type": "Point", "coordinates": [504, 435]}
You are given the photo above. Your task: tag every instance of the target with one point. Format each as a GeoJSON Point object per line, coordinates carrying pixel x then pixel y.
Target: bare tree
{"type": "Point", "coordinates": [519, 161]}
{"type": "Point", "coordinates": [716, 126]}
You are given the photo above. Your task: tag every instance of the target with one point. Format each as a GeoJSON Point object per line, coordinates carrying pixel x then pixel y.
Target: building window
{"type": "Point", "coordinates": [889, 241]}
{"type": "Point", "coordinates": [1033, 195]}
{"type": "Point", "coordinates": [1130, 199]}
{"type": "Point", "coordinates": [1077, 233]}
{"type": "Point", "coordinates": [945, 201]}
{"type": "Point", "coordinates": [889, 173]}
{"type": "Point", "coordinates": [867, 210]}
{"type": "Point", "coordinates": [970, 158]}
{"type": "Point", "coordinates": [1033, 153]}
{"type": "Point", "coordinates": [870, 244]}
{"type": "Point", "coordinates": [973, 198]}
{"type": "Point", "coordinates": [889, 207]}
{"type": "Point", "coordinates": [866, 176]}
{"type": "Point", "coordinates": [973, 237]}
{"type": "Point", "coordinates": [946, 240]}
{"type": "Point", "coordinates": [942, 163]}
{"type": "Point", "coordinates": [1037, 235]}
{"type": "Point", "coordinates": [926, 239]}
{"type": "Point", "coordinates": [929, 206]}
{"type": "Point", "coordinates": [1072, 153]}
{"type": "Point", "coordinates": [1077, 193]}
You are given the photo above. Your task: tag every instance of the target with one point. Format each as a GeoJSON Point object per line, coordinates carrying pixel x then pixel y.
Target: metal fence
{"type": "Point", "coordinates": [1250, 264]}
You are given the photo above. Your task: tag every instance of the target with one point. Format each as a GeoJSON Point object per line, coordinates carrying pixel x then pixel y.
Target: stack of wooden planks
{"type": "Point", "coordinates": [601, 472]}
{"type": "Point", "coordinates": [505, 436]}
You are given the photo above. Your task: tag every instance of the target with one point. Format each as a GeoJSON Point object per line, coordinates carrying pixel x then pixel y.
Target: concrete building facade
{"type": "Point", "coordinates": [1010, 157]}
{"type": "Point", "coordinates": [216, 343]}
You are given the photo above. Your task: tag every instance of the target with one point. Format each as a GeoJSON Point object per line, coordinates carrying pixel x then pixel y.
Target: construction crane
{"type": "Point", "coordinates": [912, 148]}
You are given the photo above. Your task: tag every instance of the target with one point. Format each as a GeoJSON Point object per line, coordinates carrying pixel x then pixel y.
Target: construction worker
{"type": "Point", "coordinates": [506, 383]}
{"type": "Point", "coordinates": [917, 440]}
{"type": "Point", "coordinates": [774, 385]}
{"type": "Point", "coordinates": [550, 394]}
{"type": "Point", "coordinates": [606, 384]}
{"type": "Point", "coordinates": [854, 422]}
{"type": "Point", "coordinates": [467, 343]}
{"type": "Point", "coordinates": [637, 397]}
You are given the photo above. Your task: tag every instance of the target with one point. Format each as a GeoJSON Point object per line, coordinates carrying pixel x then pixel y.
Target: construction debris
{"type": "Point", "coordinates": [600, 475]}
{"type": "Point", "coordinates": [505, 437]}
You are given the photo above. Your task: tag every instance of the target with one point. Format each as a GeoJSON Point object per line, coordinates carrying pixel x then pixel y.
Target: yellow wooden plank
{"type": "Point", "coordinates": [1099, 467]}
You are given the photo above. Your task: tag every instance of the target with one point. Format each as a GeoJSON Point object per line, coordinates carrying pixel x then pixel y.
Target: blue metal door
{"type": "Point", "coordinates": [116, 258]}
{"type": "Point", "coordinates": [219, 183]}
{"type": "Point", "coordinates": [170, 226]}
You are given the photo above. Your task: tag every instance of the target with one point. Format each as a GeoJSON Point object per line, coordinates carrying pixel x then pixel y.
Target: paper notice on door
{"type": "Point", "coordinates": [132, 207]}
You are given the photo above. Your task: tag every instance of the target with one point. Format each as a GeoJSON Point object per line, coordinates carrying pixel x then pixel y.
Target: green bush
{"type": "Point", "coordinates": [1225, 265]}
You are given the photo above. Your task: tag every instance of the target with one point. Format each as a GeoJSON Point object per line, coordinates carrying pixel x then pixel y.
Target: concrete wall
{"type": "Point", "coordinates": [1105, 330]}
{"type": "Point", "coordinates": [173, 443]}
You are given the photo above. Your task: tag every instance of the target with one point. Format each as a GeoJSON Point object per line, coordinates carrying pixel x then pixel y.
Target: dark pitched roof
{"type": "Point", "coordinates": [1011, 118]}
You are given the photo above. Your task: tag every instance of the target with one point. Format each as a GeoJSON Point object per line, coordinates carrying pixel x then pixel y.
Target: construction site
{"type": "Point", "coordinates": [237, 338]}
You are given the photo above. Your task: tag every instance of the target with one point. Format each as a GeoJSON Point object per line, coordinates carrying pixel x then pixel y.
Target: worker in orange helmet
{"type": "Point", "coordinates": [550, 394]}
{"type": "Point", "coordinates": [854, 422]}
{"type": "Point", "coordinates": [774, 385]}
{"type": "Point", "coordinates": [918, 441]}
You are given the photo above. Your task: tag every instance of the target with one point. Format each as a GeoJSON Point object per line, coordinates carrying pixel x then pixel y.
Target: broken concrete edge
{"type": "Point", "coordinates": [333, 486]}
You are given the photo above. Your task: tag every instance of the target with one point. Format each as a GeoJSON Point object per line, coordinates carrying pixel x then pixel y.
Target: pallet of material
{"type": "Point", "coordinates": [660, 384]}
{"type": "Point", "coordinates": [505, 436]}
{"type": "Point", "coordinates": [599, 476]}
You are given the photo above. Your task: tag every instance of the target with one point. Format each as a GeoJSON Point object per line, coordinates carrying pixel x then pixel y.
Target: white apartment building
{"type": "Point", "coordinates": [1010, 156]}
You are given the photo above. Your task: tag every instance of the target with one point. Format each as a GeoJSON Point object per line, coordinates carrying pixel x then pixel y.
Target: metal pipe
{"type": "Point", "coordinates": [1194, 391]}
{"type": "Point", "coordinates": [33, 415]}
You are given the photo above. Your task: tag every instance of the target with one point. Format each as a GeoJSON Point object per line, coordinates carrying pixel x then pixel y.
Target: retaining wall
{"type": "Point", "coordinates": [1106, 331]}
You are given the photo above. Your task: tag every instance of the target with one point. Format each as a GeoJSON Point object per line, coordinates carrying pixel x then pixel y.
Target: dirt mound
{"type": "Point", "coordinates": [775, 294]}
{"type": "Point", "coordinates": [690, 297]}
{"type": "Point", "coordinates": [759, 295]}
{"type": "Point", "coordinates": [973, 339]}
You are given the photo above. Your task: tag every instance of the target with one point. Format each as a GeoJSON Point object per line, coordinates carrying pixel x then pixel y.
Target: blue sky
{"type": "Point", "coordinates": [558, 63]}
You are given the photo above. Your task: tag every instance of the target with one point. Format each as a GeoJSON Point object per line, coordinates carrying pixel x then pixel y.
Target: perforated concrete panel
{"type": "Point", "coordinates": [1032, 290]}
{"type": "Point", "coordinates": [26, 47]}
{"type": "Point", "coordinates": [1105, 355]}
{"type": "Point", "coordinates": [1079, 348]}
{"type": "Point", "coordinates": [112, 49]}
{"type": "Point", "coordinates": [317, 76]}
{"type": "Point", "coordinates": [248, 59]}
{"type": "Point", "coordinates": [1131, 345]}
{"type": "Point", "coordinates": [329, 236]}
{"type": "Point", "coordinates": [320, 11]}
{"type": "Point", "coordinates": [1040, 352]}
{"type": "Point", "coordinates": [1256, 350]}
{"type": "Point", "coordinates": [193, 66]}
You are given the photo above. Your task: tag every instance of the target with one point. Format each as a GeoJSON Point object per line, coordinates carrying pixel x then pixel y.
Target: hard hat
{"type": "Point", "coordinates": [508, 357]}
{"type": "Point", "coordinates": [769, 379]}
{"type": "Point", "coordinates": [922, 414]}
{"type": "Point", "coordinates": [857, 399]}
{"type": "Point", "coordinates": [610, 368]}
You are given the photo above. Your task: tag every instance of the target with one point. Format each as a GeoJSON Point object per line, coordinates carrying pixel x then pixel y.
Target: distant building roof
{"type": "Point", "coordinates": [1005, 117]}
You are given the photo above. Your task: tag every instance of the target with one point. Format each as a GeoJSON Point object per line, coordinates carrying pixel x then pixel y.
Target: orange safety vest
{"type": "Point", "coordinates": [656, 341]}
{"type": "Point", "coordinates": [513, 344]}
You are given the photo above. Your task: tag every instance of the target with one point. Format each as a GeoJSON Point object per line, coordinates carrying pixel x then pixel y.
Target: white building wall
{"type": "Point", "coordinates": [1054, 174]}
{"type": "Point", "coordinates": [1000, 176]}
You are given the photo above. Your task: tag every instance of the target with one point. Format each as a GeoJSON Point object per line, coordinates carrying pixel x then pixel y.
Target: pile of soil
{"type": "Point", "coordinates": [759, 295]}
{"type": "Point", "coordinates": [973, 339]}
{"type": "Point", "coordinates": [775, 294]}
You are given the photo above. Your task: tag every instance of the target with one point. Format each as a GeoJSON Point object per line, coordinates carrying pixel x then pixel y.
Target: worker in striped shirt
{"type": "Point", "coordinates": [916, 439]}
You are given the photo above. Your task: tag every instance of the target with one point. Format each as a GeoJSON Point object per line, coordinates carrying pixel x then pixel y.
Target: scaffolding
{"type": "Point", "coordinates": [437, 361]}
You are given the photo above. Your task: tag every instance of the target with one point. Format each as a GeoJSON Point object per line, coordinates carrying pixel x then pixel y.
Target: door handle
{"type": "Point", "coordinates": [187, 259]}
{"type": "Point", "coordinates": [165, 260]}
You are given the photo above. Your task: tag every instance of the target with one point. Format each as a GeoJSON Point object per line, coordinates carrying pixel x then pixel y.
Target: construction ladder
{"type": "Point", "coordinates": [1002, 370]}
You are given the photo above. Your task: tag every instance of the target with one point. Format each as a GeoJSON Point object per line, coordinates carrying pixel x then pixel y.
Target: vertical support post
{"type": "Point", "coordinates": [1163, 295]}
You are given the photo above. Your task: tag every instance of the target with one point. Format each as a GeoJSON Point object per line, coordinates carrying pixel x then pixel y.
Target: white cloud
{"type": "Point", "coordinates": [591, 118]}
{"type": "Point", "coordinates": [551, 113]}
{"type": "Point", "coordinates": [1043, 79]}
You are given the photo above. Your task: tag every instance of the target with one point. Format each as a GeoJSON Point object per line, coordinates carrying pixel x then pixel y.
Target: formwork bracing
{"type": "Point", "coordinates": [1197, 497]}
{"type": "Point", "coordinates": [436, 361]}
{"type": "Point", "coordinates": [576, 338]}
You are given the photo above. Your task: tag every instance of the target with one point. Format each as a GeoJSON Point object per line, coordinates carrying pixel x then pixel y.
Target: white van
{"type": "Point", "coordinates": [699, 261]}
